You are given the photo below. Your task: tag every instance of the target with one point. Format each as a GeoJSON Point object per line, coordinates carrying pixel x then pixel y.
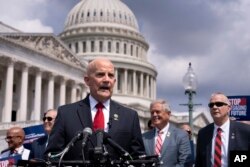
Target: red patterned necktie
{"type": "Point", "coordinates": [99, 117]}
{"type": "Point", "coordinates": [158, 145]}
{"type": "Point", "coordinates": [217, 149]}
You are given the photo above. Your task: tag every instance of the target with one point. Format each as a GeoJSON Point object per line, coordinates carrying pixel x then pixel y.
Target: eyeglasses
{"type": "Point", "coordinates": [47, 118]}
{"type": "Point", "coordinates": [10, 137]}
{"type": "Point", "coordinates": [218, 104]}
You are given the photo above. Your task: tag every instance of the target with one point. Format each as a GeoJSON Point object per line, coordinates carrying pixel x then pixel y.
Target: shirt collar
{"type": "Point", "coordinates": [93, 103]}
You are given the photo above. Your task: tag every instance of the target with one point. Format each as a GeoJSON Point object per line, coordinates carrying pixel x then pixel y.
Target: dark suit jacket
{"type": "Point", "coordinates": [38, 147]}
{"type": "Point", "coordinates": [176, 150]}
{"type": "Point", "coordinates": [71, 118]}
{"type": "Point", "coordinates": [239, 137]}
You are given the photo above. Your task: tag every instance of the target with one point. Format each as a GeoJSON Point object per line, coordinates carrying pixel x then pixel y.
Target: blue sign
{"type": "Point", "coordinates": [10, 161]}
{"type": "Point", "coordinates": [240, 110]}
{"type": "Point", "coordinates": [32, 133]}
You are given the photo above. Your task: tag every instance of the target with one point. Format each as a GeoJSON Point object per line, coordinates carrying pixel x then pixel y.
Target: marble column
{"type": "Point", "coordinates": [62, 98]}
{"type": "Point", "coordinates": [22, 114]}
{"type": "Point", "coordinates": [141, 84]}
{"type": "Point", "coordinates": [8, 92]}
{"type": "Point", "coordinates": [38, 87]}
{"type": "Point", "coordinates": [125, 85]}
{"type": "Point", "coordinates": [51, 88]}
{"type": "Point", "coordinates": [73, 92]}
{"type": "Point", "coordinates": [134, 83]}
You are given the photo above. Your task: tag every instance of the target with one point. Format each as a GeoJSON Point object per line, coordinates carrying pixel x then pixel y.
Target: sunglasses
{"type": "Point", "coordinates": [189, 132]}
{"type": "Point", "coordinates": [217, 104]}
{"type": "Point", "coordinates": [47, 118]}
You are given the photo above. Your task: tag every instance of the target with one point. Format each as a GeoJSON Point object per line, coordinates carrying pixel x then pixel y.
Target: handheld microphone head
{"type": "Point", "coordinates": [87, 130]}
{"type": "Point", "coordinates": [86, 133]}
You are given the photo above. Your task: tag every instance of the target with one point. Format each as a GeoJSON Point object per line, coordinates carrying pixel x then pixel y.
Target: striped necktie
{"type": "Point", "coordinates": [217, 148]}
{"type": "Point", "coordinates": [158, 145]}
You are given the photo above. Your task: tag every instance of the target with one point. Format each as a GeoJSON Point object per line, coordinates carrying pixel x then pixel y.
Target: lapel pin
{"type": "Point", "coordinates": [168, 134]}
{"type": "Point", "coordinates": [116, 117]}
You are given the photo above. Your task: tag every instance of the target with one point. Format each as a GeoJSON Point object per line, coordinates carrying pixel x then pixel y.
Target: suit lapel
{"type": "Point", "coordinates": [150, 143]}
{"type": "Point", "coordinates": [114, 114]}
{"type": "Point", "coordinates": [232, 137]}
{"type": "Point", "coordinates": [84, 113]}
{"type": "Point", "coordinates": [166, 142]}
{"type": "Point", "coordinates": [208, 139]}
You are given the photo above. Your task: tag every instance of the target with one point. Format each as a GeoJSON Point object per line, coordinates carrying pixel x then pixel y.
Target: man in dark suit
{"type": "Point", "coordinates": [173, 147]}
{"type": "Point", "coordinates": [234, 135]}
{"type": "Point", "coordinates": [121, 123]}
{"type": "Point", "coordinates": [38, 146]}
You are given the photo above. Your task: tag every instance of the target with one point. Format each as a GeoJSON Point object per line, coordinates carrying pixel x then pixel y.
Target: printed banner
{"type": "Point", "coordinates": [32, 133]}
{"type": "Point", "coordinates": [240, 108]}
{"type": "Point", "coordinates": [9, 161]}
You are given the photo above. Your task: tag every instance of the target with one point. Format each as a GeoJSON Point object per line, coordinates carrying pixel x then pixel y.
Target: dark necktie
{"type": "Point", "coordinates": [99, 117]}
{"type": "Point", "coordinates": [158, 145]}
{"type": "Point", "coordinates": [217, 149]}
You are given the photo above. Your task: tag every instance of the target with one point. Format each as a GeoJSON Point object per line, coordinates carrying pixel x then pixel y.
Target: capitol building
{"type": "Point", "coordinates": [40, 71]}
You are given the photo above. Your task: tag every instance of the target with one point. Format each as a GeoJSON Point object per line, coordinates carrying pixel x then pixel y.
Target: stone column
{"type": "Point", "coordinates": [62, 98]}
{"type": "Point", "coordinates": [116, 84]}
{"type": "Point", "coordinates": [125, 85]}
{"type": "Point", "coordinates": [51, 87]}
{"type": "Point", "coordinates": [8, 92]}
{"type": "Point", "coordinates": [38, 87]}
{"type": "Point", "coordinates": [22, 114]}
{"type": "Point", "coordinates": [141, 84]}
{"type": "Point", "coordinates": [73, 92]}
{"type": "Point", "coordinates": [134, 83]}
{"type": "Point", "coordinates": [147, 86]}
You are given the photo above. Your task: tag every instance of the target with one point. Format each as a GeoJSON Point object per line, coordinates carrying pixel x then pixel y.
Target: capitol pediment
{"type": "Point", "coordinates": [47, 44]}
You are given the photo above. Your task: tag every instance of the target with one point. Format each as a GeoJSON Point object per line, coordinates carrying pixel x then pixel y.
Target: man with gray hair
{"type": "Point", "coordinates": [170, 143]}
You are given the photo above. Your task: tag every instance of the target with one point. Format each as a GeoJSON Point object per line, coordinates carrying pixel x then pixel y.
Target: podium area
{"type": "Point", "coordinates": [116, 163]}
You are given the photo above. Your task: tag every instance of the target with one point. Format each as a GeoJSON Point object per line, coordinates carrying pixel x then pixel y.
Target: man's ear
{"type": "Point", "coordinates": [86, 80]}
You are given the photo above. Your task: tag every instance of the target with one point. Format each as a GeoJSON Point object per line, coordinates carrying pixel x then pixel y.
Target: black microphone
{"type": "Point", "coordinates": [82, 134]}
{"type": "Point", "coordinates": [99, 141]}
{"type": "Point", "coordinates": [107, 140]}
{"type": "Point", "coordinates": [86, 133]}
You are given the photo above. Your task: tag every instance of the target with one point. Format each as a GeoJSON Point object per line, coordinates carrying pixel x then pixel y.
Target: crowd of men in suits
{"type": "Point", "coordinates": [120, 126]}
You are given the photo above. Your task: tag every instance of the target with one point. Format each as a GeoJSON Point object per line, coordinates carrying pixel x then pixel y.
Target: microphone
{"type": "Point", "coordinates": [112, 143]}
{"type": "Point", "coordinates": [86, 133]}
{"type": "Point", "coordinates": [99, 141]}
{"type": "Point", "coordinates": [82, 134]}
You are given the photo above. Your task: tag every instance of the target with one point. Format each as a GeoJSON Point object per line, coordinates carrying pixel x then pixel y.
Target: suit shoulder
{"type": "Point", "coordinates": [240, 126]}
{"type": "Point", "coordinates": [71, 106]}
{"type": "Point", "coordinates": [123, 106]}
{"type": "Point", "coordinates": [206, 128]}
{"type": "Point", "coordinates": [148, 134]}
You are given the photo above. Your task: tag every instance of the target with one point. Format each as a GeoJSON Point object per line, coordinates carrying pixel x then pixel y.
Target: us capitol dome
{"type": "Point", "coordinates": [108, 28]}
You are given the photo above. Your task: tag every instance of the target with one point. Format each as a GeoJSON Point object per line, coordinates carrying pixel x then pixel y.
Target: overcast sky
{"type": "Point", "coordinates": [214, 35]}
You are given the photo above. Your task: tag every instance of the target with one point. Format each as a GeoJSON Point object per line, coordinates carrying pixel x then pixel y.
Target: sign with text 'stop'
{"type": "Point", "coordinates": [240, 107]}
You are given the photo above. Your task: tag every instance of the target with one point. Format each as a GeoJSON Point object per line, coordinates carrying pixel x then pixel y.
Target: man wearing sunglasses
{"type": "Point", "coordinates": [38, 146]}
{"type": "Point", "coordinates": [15, 138]}
{"type": "Point", "coordinates": [216, 140]}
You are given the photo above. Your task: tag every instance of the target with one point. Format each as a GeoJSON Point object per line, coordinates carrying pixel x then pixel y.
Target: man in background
{"type": "Point", "coordinates": [38, 146]}
{"type": "Point", "coordinates": [170, 143]}
{"type": "Point", "coordinates": [216, 140]}
{"type": "Point", "coordinates": [188, 130]}
{"type": "Point", "coordinates": [15, 137]}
